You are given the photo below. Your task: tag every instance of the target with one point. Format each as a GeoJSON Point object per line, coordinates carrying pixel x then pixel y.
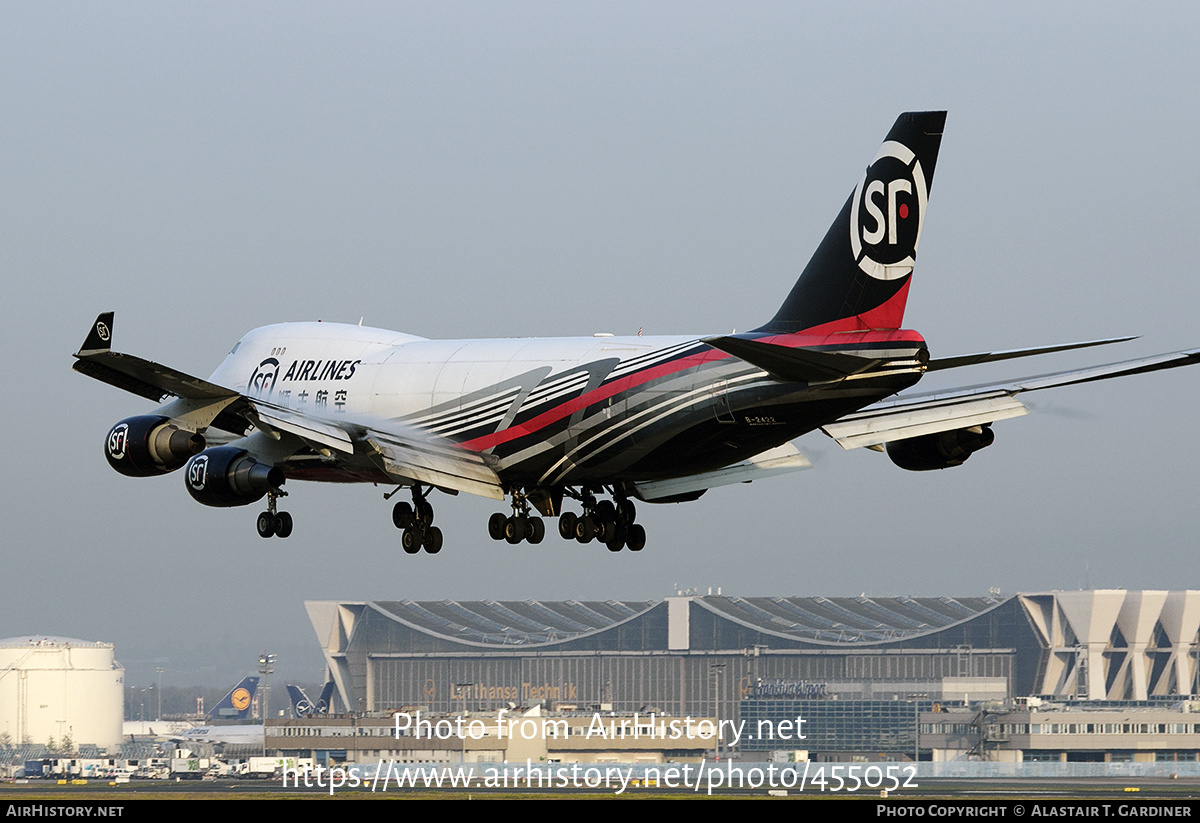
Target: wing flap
{"type": "Point", "coordinates": [874, 428]}
{"type": "Point", "coordinates": [444, 464]}
{"type": "Point", "coordinates": [914, 415]}
{"type": "Point", "coordinates": [779, 460]}
{"type": "Point", "coordinates": [305, 427]}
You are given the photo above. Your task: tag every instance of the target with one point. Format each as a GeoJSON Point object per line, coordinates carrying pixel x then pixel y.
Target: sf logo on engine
{"type": "Point", "coordinates": [263, 379]}
{"type": "Point", "coordinates": [197, 472]}
{"type": "Point", "coordinates": [887, 211]}
{"type": "Point", "coordinates": [118, 439]}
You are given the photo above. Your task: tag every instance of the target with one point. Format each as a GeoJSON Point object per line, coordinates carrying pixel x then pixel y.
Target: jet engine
{"type": "Point", "coordinates": [229, 476]}
{"type": "Point", "coordinates": [940, 450]}
{"type": "Point", "coordinates": [148, 445]}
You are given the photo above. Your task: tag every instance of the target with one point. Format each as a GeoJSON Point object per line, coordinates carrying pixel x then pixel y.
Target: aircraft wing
{"type": "Point", "coordinates": [907, 416]}
{"type": "Point", "coordinates": [407, 454]}
{"type": "Point", "coordinates": [779, 460]}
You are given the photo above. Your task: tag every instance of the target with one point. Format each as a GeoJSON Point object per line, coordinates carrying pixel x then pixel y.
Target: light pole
{"type": "Point", "coordinates": [160, 674]}
{"type": "Point", "coordinates": [717, 670]}
{"type": "Point", "coordinates": [266, 666]}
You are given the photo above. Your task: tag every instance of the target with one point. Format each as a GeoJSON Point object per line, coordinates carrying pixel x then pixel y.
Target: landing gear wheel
{"type": "Point", "coordinates": [585, 529]}
{"type": "Point", "coordinates": [411, 541]}
{"type": "Point", "coordinates": [433, 540]}
{"type": "Point", "coordinates": [266, 524]}
{"type": "Point", "coordinates": [283, 524]}
{"type": "Point", "coordinates": [535, 530]}
{"type": "Point", "coordinates": [402, 515]}
{"type": "Point", "coordinates": [566, 525]}
{"type": "Point", "coordinates": [606, 511]}
{"type": "Point", "coordinates": [626, 511]}
{"type": "Point", "coordinates": [514, 530]}
{"type": "Point", "coordinates": [496, 526]}
{"type": "Point", "coordinates": [637, 537]}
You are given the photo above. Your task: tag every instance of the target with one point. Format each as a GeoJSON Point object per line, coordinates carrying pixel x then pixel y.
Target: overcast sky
{"type": "Point", "coordinates": [545, 169]}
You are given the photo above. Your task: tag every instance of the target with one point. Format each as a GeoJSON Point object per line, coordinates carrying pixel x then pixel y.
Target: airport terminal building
{"type": "Point", "coordinates": [728, 656]}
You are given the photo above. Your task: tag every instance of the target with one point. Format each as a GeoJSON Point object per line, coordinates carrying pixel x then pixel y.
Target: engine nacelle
{"type": "Point", "coordinates": [148, 445]}
{"type": "Point", "coordinates": [229, 476]}
{"type": "Point", "coordinates": [940, 450]}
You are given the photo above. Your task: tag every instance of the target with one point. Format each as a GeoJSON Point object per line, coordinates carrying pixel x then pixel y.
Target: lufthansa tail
{"type": "Point", "coordinates": [236, 704]}
{"type": "Point", "coordinates": [858, 278]}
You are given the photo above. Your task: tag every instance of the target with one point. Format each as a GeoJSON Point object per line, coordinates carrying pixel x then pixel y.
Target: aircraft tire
{"type": "Point", "coordinates": [411, 541]}
{"type": "Point", "coordinates": [566, 525]}
{"type": "Point", "coordinates": [496, 526]}
{"type": "Point", "coordinates": [626, 511]}
{"type": "Point", "coordinates": [637, 537]}
{"type": "Point", "coordinates": [535, 531]}
{"type": "Point", "coordinates": [433, 540]}
{"type": "Point", "coordinates": [514, 530]}
{"type": "Point", "coordinates": [402, 515]}
{"type": "Point", "coordinates": [585, 529]}
{"type": "Point", "coordinates": [266, 524]}
{"type": "Point", "coordinates": [283, 524]}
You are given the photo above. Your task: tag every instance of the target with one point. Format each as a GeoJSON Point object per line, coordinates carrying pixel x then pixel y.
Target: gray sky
{"type": "Point", "coordinates": [544, 169]}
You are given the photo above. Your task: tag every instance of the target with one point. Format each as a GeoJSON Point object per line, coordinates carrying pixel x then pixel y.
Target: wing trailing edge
{"type": "Point", "coordinates": [904, 417]}
{"type": "Point", "coordinates": [779, 460]}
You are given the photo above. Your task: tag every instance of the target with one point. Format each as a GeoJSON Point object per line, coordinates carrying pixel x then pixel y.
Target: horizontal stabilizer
{"type": "Point", "coordinates": [794, 365]}
{"type": "Point", "coordinates": [779, 460]}
{"type": "Point", "coordinates": [993, 356]}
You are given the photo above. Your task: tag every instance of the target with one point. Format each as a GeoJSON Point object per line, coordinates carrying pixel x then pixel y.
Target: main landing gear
{"type": "Point", "coordinates": [521, 526]}
{"type": "Point", "coordinates": [272, 524]}
{"type": "Point", "coordinates": [417, 522]}
{"type": "Point", "coordinates": [610, 522]}
{"type": "Point", "coordinates": [606, 522]}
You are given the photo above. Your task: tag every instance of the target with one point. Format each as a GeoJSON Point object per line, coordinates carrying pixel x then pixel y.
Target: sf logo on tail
{"type": "Point", "coordinates": [887, 211]}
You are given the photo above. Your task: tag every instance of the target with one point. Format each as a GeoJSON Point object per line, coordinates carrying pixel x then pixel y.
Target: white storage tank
{"type": "Point", "coordinates": [56, 687]}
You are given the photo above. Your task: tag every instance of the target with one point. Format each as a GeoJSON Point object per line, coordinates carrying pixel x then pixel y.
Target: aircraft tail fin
{"type": "Point", "coordinates": [301, 705]}
{"type": "Point", "coordinates": [323, 702]}
{"type": "Point", "coordinates": [236, 704]}
{"type": "Point", "coordinates": [857, 280]}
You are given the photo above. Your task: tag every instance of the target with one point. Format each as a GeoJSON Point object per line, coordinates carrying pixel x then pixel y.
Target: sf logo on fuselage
{"type": "Point", "coordinates": [118, 440]}
{"type": "Point", "coordinates": [887, 211]}
{"type": "Point", "coordinates": [264, 377]}
{"type": "Point", "coordinates": [198, 472]}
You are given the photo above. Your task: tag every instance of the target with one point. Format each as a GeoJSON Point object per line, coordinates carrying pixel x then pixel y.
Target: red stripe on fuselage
{"type": "Point", "coordinates": [595, 396]}
{"type": "Point", "coordinates": [847, 339]}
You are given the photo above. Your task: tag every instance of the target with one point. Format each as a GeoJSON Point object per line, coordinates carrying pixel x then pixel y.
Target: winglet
{"type": "Point", "coordinates": [99, 338]}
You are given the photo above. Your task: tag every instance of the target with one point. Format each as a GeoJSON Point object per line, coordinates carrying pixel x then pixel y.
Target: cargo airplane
{"type": "Point", "coordinates": [598, 422]}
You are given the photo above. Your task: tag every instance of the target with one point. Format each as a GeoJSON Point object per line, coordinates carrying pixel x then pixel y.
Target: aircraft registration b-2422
{"type": "Point", "coordinates": [599, 420]}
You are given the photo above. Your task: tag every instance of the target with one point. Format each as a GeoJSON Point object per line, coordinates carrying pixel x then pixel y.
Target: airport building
{"type": "Point", "coordinates": [862, 671]}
